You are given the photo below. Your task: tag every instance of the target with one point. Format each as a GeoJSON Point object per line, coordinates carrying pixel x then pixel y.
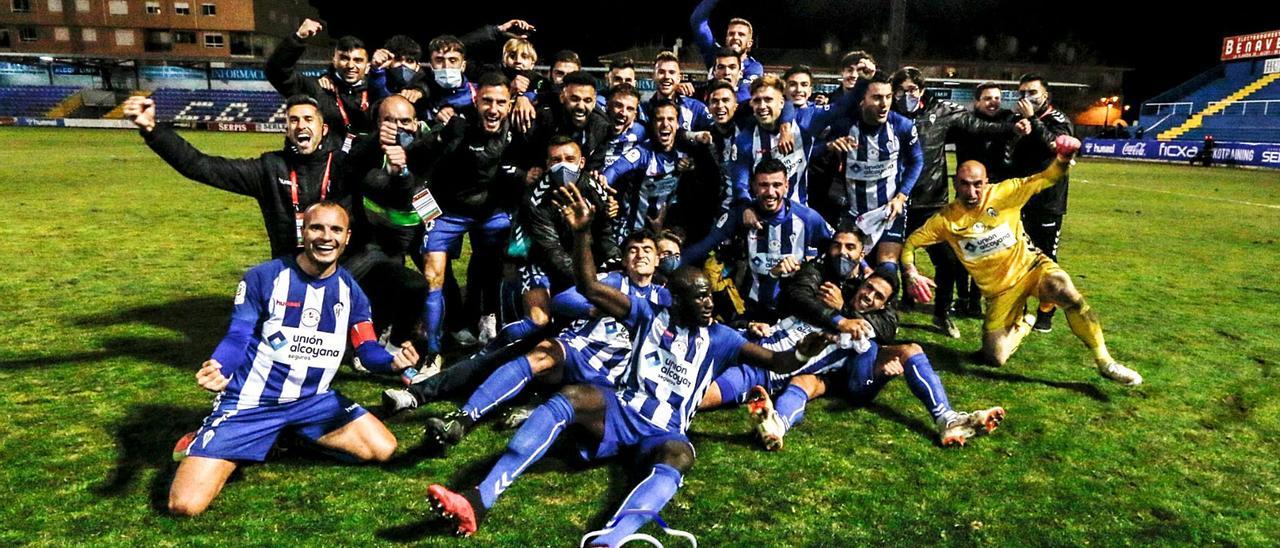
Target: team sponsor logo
{"type": "Point", "coordinates": [241, 290]}
{"type": "Point", "coordinates": [1173, 150]}
{"type": "Point", "coordinates": [987, 243]}
{"type": "Point", "coordinates": [277, 340]}
{"type": "Point", "coordinates": [1134, 149]}
{"type": "Point", "coordinates": [310, 317]}
{"type": "Point", "coordinates": [306, 346]}
{"type": "Point", "coordinates": [1271, 157]}
{"type": "Point", "coordinates": [288, 304]}
{"type": "Point", "coordinates": [1109, 148]}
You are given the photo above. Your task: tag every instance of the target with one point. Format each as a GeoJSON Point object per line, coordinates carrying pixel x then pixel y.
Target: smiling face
{"type": "Point", "coordinates": [494, 104]}
{"type": "Point", "coordinates": [351, 65]}
{"type": "Point", "coordinates": [623, 109]}
{"type": "Point", "coordinates": [722, 104]}
{"type": "Point", "coordinates": [305, 128]}
{"type": "Point", "coordinates": [767, 104]}
{"type": "Point", "coordinates": [872, 295]}
{"type": "Point", "coordinates": [578, 100]}
{"type": "Point", "coordinates": [988, 102]}
{"type": "Point", "coordinates": [640, 258]}
{"type": "Point", "coordinates": [799, 88]}
{"type": "Point", "coordinates": [324, 238]}
{"type": "Point", "coordinates": [770, 190]}
{"type": "Point", "coordinates": [666, 120]}
{"type": "Point", "coordinates": [691, 297]}
{"type": "Point", "coordinates": [876, 103]}
{"type": "Point", "coordinates": [666, 74]}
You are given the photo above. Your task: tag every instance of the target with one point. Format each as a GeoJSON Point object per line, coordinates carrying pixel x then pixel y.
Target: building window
{"type": "Point", "coordinates": [62, 34]}
{"type": "Point", "coordinates": [242, 44]}
{"type": "Point", "coordinates": [4, 39]}
{"type": "Point", "coordinates": [209, 9]}
{"type": "Point", "coordinates": [124, 37]}
{"type": "Point", "coordinates": [82, 6]}
{"type": "Point", "coordinates": [28, 34]}
{"type": "Point", "coordinates": [184, 37]}
{"type": "Point", "coordinates": [153, 7]}
{"type": "Point", "coordinates": [158, 41]}
{"type": "Point", "coordinates": [213, 40]}
{"type": "Point", "coordinates": [21, 6]}
{"type": "Point", "coordinates": [88, 35]}
{"type": "Point", "coordinates": [55, 6]}
{"type": "Point", "coordinates": [182, 8]}
{"type": "Point", "coordinates": [118, 7]}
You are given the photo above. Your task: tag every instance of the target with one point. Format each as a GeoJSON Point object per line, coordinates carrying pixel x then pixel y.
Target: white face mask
{"type": "Point", "coordinates": [910, 101]}
{"type": "Point", "coordinates": [449, 78]}
{"type": "Point", "coordinates": [563, 173]}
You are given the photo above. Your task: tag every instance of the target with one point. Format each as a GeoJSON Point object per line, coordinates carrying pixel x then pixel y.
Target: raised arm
{"type": "Point", "coordinates": [578, 212]}
{"type": "Point", "coordinates": [785, 362]}
{"type": "Point", "coordinates": [698, 22]}
{"type": "Point", "coordinates": [238, 176]}
{"type": "Point", "coordinates": [282, 64]}
{"type": "Point", "coordinates": [1024, 188]}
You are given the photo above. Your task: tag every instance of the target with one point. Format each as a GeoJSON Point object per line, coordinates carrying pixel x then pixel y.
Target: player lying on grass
{"type": "Point", "coordinates": [272, 371]}
{"type": "Point", "coordinates": [593, 351]}
{"type": "Point", "coordinates": [855, 371]}
{"type": "Point", "coordinates": [983, 225]}
{"type": "Point", "coordinates": [678, 351]}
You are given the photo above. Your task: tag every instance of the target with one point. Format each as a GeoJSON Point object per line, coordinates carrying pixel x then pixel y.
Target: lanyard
{"type": "Point", "coordinates": [324, 183]}
{"type": "Point", "coordinates": [364, 105]}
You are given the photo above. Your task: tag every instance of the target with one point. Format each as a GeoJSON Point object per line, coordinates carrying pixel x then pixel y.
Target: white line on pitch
{"type": "Point", "coordinates": [1198, 197]}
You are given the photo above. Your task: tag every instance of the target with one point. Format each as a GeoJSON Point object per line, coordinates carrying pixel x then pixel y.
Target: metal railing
{"type": "Point", "coordinates": [1168, 108]}
{"type": "Point", "coordinates": [1255, 107]}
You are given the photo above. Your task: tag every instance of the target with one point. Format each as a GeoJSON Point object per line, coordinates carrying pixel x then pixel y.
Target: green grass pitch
{"type": "Point", "coordinates": [118, 280]}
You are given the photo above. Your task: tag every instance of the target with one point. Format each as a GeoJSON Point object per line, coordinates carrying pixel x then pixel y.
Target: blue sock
{"type": "Point", "coordinates": [791, 405]}
{"type": "Point", "coordinates": [513, 332]}
{"type": "Point", "coordinates": [926, 385]}
{"type": "Point", "coordinates": [890, 266]}
{"type": "Point", "coordinates": [864, 385]}
{"type": "Point", "coordinates": [434, 318]}
{"type": "Point", "coordinates": [644, 502]}
{"type": "Point", "coordinates": [528, 445]}
{"type": "Point", "coordinates": [502, 385]}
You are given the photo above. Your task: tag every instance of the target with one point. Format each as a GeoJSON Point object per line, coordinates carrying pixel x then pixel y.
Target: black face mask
{"type": "Point", "coordinates": [841, 267]}
{"type": "Point", "coordinates": [400, 77]}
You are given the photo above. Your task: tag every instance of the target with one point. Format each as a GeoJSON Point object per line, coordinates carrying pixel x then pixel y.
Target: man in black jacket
{"type": "Point", "coordinates": [573, 114]}
{"type": "Point", "coordinates": [937, 122]}
{"type": "Point", "coordinates": [308, 170]}
{"type": "Point", "coordinates": [346, 108]}
{"type": "Point", "coordinates": [1042, 216]}
{"type": "Point", "coordinates": [550, 253]}
{"type": "Point", "coordinates": [822, 292]}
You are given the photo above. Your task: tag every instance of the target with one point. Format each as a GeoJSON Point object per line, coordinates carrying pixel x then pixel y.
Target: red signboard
{"type": "Point", "coordinates": [1262, 44]}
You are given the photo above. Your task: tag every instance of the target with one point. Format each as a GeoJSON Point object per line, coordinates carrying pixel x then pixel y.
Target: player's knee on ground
{"type": "Point", "coordinates": [994, 350]}
{"type": "Point", "coordinates": [188, 504]}
{"type": "Point", "coordinates": [381, 449]}
{"type": "Point", "coordinates": [676, 454]}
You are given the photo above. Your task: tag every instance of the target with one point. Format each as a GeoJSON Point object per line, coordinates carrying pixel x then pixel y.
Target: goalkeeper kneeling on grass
{"type": "Point", "coordinates": [983, 225]}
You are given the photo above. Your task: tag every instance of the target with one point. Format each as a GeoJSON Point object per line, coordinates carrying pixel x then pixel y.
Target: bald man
{"type": "Point", "coordinates": [386, 228]}
{"type": "Point", "coordinates": [289, 330]}
{"type": "Point", "coordinates": [983, 225]}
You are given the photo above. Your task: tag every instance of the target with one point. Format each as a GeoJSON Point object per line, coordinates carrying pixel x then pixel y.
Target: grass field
{"type": "Point", "coordinates": [118, 283]}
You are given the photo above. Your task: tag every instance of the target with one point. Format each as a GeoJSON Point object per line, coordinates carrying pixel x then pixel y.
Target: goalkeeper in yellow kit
{"type": "Point", "coordinates": [983, 225]}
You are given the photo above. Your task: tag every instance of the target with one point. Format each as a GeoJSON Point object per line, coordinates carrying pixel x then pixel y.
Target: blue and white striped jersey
{"type": "Point", "coordinates": [796, 231]}
{"type": "Point", "coordinates": [753, 144]}
{"type": "Point", "coordinates": [301, 334]}
{"type": "Point", "coordinates": [605, 343]}
{"type": "Point", "coordinates": [692, 113]}
{"type": "Point", "coordinates": [650, 186]}
{"type": "Point", "coordinates": [629, 139]}
{"type": "Point", "coordinates": [887, 161]}
{"type": "Point", "coordinates": [788, 332]}
{"type": "Point", "coordinates": [672, 366]}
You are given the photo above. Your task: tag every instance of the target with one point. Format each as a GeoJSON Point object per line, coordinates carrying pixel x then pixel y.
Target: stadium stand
{"type": "Point", "coordinates": [32, 101]}
{"type": "Point", "coordinates": [1232, 102]}
{"type": "Point", "coordinates": [182, 105]}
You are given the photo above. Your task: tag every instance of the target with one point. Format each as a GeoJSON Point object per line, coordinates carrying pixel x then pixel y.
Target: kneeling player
{"type": "Point", "coordinates": [983, 225]}
{"type": "Point", "coordinates": [678, 353]}
{"type": "Point", "coordinates": [858, 374]}
{"type": "Point", "coordinates": [272, 370]}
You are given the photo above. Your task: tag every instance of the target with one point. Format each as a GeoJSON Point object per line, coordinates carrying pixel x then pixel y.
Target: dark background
{"type": "Point", "coordinates": [1165, 43]}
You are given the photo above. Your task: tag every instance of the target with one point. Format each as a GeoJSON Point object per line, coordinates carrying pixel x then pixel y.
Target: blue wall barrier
{"type": "Point", "coordinates": [1224, 153]}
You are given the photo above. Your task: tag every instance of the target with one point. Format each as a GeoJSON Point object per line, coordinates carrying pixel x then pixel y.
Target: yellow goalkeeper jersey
{"type": "Point", "coordinates": [988, 238]}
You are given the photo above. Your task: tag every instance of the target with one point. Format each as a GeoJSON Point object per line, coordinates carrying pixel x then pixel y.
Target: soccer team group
{"type": "Point", "coordinates": [736, 241]}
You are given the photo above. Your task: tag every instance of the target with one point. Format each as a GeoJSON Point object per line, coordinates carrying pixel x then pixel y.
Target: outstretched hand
{"type": "Point", "coordinates": [574, 208]}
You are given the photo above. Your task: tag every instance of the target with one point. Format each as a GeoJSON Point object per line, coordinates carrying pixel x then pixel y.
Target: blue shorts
{"type": "Point", "coordinates": [897, 231]}
{"type": "Point", "coordinates": [578, 369]}
{"type": "Point", "coordinates": [445, 233]}
{"type": "Point", "coordinates": [532, 277]}
{"type": "Point", "coordinates": [623, 428]}
{"type": "Point", "coordinates": [736, 382]}
{"type": "Point", "coordinates": [248, 434]}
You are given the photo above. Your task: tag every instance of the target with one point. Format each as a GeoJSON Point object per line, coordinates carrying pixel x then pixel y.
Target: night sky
{"type": "Point", "coordinates": [1165, 43]}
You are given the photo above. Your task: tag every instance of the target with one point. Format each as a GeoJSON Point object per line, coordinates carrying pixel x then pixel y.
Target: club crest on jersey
{"type": "Point", "coordinates": [775, 245]}
{"type": "Point", "coordinates": [241, 290]}
{"type": "Point", "coordinates": [991, 211]}
{"type": "Point", "coordinates": [979, 227]}
{"type": "Point", "coordinates": [310, 317]}
{"type": "Point", "coordinates": [338, 308]}
{"type": "Point", "coordinates": [277, 340]}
